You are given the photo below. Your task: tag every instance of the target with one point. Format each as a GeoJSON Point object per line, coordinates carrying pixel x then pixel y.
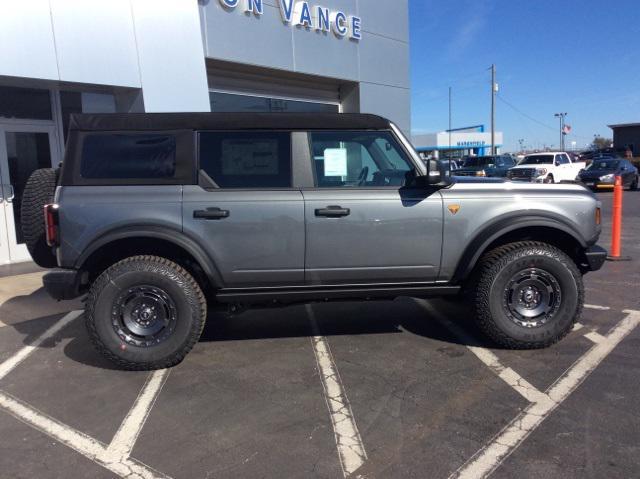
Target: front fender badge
{"type": "Point", "coordinates": [453, 209]}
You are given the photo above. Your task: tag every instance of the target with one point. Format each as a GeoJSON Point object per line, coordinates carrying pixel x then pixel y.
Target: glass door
{"type": "Point", "coordinates": [23, 149]}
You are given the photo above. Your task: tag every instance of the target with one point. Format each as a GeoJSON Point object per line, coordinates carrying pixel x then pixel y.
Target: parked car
{"type": "Point", "coordinates": [548, 167]}
{"type": "Point", "coordinates": [601, 173]}
{"type": "Point", "coordinates": [491, 166]}
{"type": "Point", "coordinates": [155, 218]}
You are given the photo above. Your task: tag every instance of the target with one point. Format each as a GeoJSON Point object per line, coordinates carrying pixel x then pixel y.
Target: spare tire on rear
{"type": "Point", "coordinates": [38, 192]}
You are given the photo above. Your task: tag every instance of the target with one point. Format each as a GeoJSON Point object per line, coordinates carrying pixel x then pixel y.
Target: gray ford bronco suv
{"type": "Point", "coordinates": [158, 217]}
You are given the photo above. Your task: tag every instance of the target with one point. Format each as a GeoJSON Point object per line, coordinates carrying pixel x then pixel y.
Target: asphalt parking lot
{"type": "Point", "coordinates": [383, 389]}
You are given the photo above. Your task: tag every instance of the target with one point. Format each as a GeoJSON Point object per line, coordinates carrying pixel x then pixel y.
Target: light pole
{"type": "Point", "coordinates": [561, 117]}
{"type": "Point", "coordinates": [521, 141]}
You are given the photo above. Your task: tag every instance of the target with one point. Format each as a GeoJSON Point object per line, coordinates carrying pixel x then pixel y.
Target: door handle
{"type": "Point", "coordinates": [333, 212]}
{"type": "Point", "coordinates": [211, 214]}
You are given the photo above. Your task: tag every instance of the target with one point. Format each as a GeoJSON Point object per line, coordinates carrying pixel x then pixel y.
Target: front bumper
{"type": "Point", "coordinates": [595, 256]}
{"type": "Point", "coordinates": [63, 283]}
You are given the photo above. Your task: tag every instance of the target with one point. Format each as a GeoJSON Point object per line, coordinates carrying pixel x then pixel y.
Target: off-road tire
{"type": "Point", "coordinates": [153, 271]}
{"type": "Point", "coordinates": [489, 287]}
{"type": "Point", "coordinates": [38, 191]}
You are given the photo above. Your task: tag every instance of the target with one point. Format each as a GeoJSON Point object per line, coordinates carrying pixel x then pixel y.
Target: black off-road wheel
{"type": "Point", "coordinates": [527, 295]}
{"type": "Point", "coordinates": [38, 191]}
{"type": "Point", "coordinates": [145, 313]}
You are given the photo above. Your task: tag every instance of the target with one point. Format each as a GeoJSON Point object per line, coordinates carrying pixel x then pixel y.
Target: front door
{"type": "Point", "coordinates": [23, 149]}
{"type": "Point", "coordinates": [362, 224]}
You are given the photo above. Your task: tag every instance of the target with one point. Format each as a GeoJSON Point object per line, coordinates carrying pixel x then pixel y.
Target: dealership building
{"type": "Point", "coordinates": [626, 137]}
{"type": "Point", "coordinates": [457, 142]}
{"type": "Point", "coordinates": [59, 57]}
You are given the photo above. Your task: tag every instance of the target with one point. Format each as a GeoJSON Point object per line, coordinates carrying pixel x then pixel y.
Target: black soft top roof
{"type": "Point", "coordinates": [226, 121]}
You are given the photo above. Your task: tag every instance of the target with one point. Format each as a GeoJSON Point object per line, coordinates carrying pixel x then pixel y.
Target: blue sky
{"type": "Point", "coordinates": [579, 57]}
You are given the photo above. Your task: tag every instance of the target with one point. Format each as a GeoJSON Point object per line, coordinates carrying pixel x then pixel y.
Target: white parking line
{"type": "Point", "coordinates": [595, 306]}
{"type": "Point", "coordinates": [348, 441]}
{"type": "Point", "coordinates": [124, 440]}
{"type": "Point", "coordinates": [76, 440]}
{"type": "Point", "coordinates": [487, 459]}
{"type": "Point", "coordinates": [10, 364]}
{"type": "Point", "coordinates": [2, 325]}
{"type": "Point", "coordinates": [577, 326]}
{"type": "Point", "coordinates": [508, 375]}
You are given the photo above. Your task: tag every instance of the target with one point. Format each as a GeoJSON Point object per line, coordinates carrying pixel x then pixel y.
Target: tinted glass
{"type": "Point", "coordinates": [604, 165]}
{"type": "Point", "coordinates": [247, 159]}
{"type": "Point", "coordinates": [25, 103]}
{"type": "Point", "coordinates": [358, 159]}
{"type": "Point", "coordinates": [537, 160]}
{"type": "Point", "coordinates": [478, 161]}
{"type": "Point", "coordinates": [228, 102]}
{"type": "Point", "coordinates": [128, 156]}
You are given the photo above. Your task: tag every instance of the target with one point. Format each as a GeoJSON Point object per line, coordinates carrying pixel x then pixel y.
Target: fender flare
{"type": "Point", "coordinates": [170, 235]}
{"type": "Point", "coordinates": [504, 225]}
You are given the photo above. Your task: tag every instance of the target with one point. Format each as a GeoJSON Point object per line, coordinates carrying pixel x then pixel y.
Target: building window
{"type": "Point", "coordinates": [25, 103]}
{"type": "Point", "coordinates": [230, 102]}
{"type": "Point", "coordinates": [84, 102]}
{"type": "Point", "coordinates": [247, 160]}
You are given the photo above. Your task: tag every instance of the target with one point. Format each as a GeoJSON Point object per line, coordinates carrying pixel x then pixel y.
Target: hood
{"type": "Point", "coordinates": [522, 167]}
{"type": "Point", "coordinates": [594, 173]}
{"type": "Point", "coordinates": [476, 179]}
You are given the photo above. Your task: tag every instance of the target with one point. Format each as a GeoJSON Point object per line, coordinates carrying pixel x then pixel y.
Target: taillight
{"type": "Point", "coordinates": [598, 216]}
{"type": "Point", "coordinates": [51, 223]}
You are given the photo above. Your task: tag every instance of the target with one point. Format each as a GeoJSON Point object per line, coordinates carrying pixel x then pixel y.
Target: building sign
{"type": "Point", "coordinates": [318, 18]}
{"type": "Point", "coordinates": [472, 144]}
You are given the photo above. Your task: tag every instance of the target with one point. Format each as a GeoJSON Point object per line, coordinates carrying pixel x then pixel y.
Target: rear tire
{"type": "Point", "coordinates": [145, 313]}
{"type": "Point", "coordinates": [528, 295]}
{"type": "Point", "coordinates": [38, 191]}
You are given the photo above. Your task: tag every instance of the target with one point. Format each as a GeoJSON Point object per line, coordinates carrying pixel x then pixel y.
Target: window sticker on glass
{"type": "Point", "coordinates": [249, 157]}
{"type": "Point", "coordinates": [335, 162]}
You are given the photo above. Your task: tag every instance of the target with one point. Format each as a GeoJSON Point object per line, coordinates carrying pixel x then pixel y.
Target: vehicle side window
{"type": "Point", "coordinates": [362, 159]}
{"type": "Point", "coordinates": [128, 156]}
{"type": "Point", "coordinates": [246, 159]}
{"type": "Point", "coordinates": [564, 160]}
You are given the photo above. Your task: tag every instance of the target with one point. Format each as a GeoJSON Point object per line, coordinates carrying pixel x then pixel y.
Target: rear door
{"type": "Point", "coordinates": [362, 224]}
{"type": "Point", "coordinates": [245, 212]}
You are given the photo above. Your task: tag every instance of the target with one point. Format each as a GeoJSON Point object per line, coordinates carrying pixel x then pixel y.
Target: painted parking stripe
{"type": "Point", "coordinates": [348, 441]}
{"type": "Point", "coordinates": [577, 326]}
{"type": "Point", "coordinates": [485, 461]}
{"type": "Point", "coordinates": [508, 375]}
{"type": "Point", "coordinates": [76, 440]}
{"type": "Point", "coordinates": [10, 364]}
{"type": "Point", "coordinates": [2, 325]}
{"type": "Point", "coordinates": [124, 440]}
{"type": "Point", "coordinates": [597, 307]}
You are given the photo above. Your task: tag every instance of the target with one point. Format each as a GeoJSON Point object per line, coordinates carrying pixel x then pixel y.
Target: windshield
{"type": "Point", "coordinates": [537, 160]}
{"type": "Point", "coordinates": [604, 165]}
{"type": "Point", "coordinates": [479, 161]}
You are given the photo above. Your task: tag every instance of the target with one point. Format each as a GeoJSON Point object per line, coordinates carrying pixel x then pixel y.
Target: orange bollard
{"type": "Point", "coordinates": [616, 229]}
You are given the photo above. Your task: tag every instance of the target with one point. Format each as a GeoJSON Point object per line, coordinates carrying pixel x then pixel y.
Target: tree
{"type": "Point", "coordinates": [601, 143]}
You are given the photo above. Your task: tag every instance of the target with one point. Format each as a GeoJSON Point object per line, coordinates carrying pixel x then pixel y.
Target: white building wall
{"type": "Point", "coordinates": [150, 44]}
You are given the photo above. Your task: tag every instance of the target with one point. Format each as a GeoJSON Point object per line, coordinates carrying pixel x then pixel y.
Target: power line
{"type": "Point", "coordinates": [517, 110]}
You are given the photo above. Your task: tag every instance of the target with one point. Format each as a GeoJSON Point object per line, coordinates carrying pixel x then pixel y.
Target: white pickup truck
{"type": "Point", "coordinates": [546, 167]}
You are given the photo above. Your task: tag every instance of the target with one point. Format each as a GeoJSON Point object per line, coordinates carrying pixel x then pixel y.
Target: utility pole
{"type": "Point", "coordinates": [449, 125]}
{"type": "Point", "coordinates": [494, 89]}
{"type": "Point", "coordinates": [561, 116]}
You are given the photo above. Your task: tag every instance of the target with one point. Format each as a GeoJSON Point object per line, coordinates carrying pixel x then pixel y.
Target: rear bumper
{"type": "Point", "coordinates": [63, 283]}
{"type": "Point", "coordinates": [595, 256]}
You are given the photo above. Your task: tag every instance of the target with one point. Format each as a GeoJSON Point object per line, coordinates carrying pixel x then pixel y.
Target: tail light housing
{"type": "Point", "coordinates": [51, 224]}
{"type": "Point", "coordinates": [598, 216]}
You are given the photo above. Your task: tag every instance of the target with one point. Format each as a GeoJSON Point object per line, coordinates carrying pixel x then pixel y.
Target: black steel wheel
{"type": "Point", "coordinates": [527, 294]}
{"type": "Point", "coordinates": [145, 312]}
{"type": "Point", "coordinates": [532, 297]}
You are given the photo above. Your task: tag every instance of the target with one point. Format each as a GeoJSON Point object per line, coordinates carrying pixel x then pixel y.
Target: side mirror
{"type": "Point", "coordinates": [434, 174]}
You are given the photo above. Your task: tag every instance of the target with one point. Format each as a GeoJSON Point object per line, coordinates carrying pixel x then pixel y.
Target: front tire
{"type": "Point", "coordinates": [145, 313]}
{"type": "Point", "coordinates": [528, 295]}
{"type": "Point", "coordinates": [549, 179]}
